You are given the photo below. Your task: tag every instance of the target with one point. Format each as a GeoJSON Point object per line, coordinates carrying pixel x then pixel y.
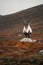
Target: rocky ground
{"type": "Point", "coordinates": [20, 53]}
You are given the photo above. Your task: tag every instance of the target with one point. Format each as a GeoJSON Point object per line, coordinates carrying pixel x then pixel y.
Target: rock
{"type": "Point", "coordinates": [41, 52]}
{"type": "Point", "coordinates": [19, 35]}
{"type": "Point", "coordinates": [27, 40]}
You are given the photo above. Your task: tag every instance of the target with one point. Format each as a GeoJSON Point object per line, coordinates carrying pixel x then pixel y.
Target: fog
{"type": "Point", "coordinates": [12, 6]}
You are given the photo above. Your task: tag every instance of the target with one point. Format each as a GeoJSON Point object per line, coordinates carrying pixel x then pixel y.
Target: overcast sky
{"type": "Point", "coordinates": [12, 6]}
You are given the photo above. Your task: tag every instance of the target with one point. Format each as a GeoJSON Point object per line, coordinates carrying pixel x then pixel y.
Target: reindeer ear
{"type": "Point", "coordinates": [29, 23]}
{"type": "Point", "coordinates": [24, 23]}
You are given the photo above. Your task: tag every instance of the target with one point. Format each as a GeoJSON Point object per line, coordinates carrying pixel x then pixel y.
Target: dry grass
{"type": "Point", "coordinates": [12, 52]}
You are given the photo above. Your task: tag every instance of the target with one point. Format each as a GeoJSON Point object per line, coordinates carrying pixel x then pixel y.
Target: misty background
{"type": "Point", "coordinates": [12, 6]}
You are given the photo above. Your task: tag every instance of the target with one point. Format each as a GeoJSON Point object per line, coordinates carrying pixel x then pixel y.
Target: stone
{"type": "Point", "coordinates": [41, 52]}
{"type": "Point", "coordinates": [27, 40]}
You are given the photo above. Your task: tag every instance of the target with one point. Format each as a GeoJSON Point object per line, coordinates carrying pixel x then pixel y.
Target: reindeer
{"type": "Point", "coordinates": [27, 30]}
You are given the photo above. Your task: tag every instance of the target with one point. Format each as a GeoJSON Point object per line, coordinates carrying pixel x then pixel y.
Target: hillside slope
{"type": "Point", "coordinates": [14, 52]}
{"type": "Point", "coordinates": [11, 25]}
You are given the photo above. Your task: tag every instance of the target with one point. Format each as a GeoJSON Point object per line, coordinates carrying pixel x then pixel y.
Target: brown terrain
{"type": "Point", "coordinates": [14, 52]}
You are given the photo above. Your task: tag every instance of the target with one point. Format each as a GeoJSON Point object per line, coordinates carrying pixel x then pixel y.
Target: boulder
{"type": "Point", "coordinates": [27, 40]}
{"type": "Point", "coordinates": [41, 52]}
